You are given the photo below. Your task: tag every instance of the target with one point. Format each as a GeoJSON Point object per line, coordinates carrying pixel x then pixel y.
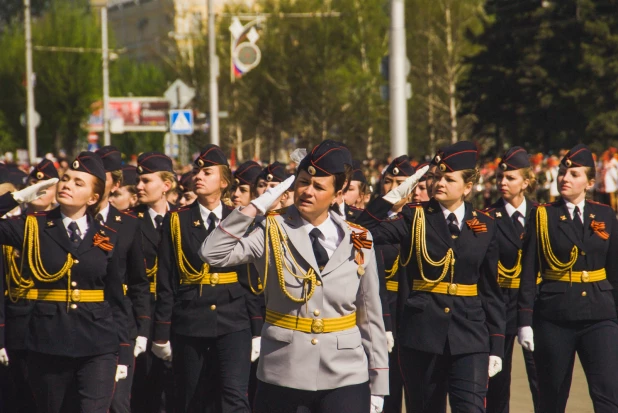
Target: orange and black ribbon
{"type": "Point", "coordinates": [102, 242]}
{"type": "Point", "coordinates": [360, 241]}
{"type": "Point", "coordinates": [599, 229]}
{"type": "Point", "coordinates": [476, 226]}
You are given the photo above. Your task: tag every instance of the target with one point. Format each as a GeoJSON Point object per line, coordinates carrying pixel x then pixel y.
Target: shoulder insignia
{"type": "Point", "coordinates": [118, 218]}
{"type": "Point", "coordinates": [179, 209]}
{"type": "Point", "coordinates": [354, 225]}
{"type": "Point", "coordinates": [50, 224]}
{"type": "Point", "coordinates": [485, 214]}
{"type": "Point", "coordinates": [355, 208]}
{"type": "Point", "coordinates": [563, 218]}
{"type": "Point", "coordinates": [534, 204]}
{"type": "Point", "coordinates": [106, 227]}
{"type": "Point", "coordinates": [140, 215]}
{"type": "Point", "coordinates": [197, 223]}
{"type": "Point", "coordinates": [129, 213]}
{"type": "Point", "coordinates": [597, 203]}
{"type": "Point", "coordinates": [414, 204]}
{"type": "Point", "coordinates": [498, 214]}
{"type": "Point", "coordinates": [592, 216]}
{"type": "Point", "coordinates": [473, 213]}
{"type": "Point", "coordinates": [279, 211]}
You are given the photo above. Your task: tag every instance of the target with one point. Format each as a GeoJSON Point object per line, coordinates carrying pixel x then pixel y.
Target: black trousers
{"type": "Point", "coordinates": [499, 390]}
{"type": "Point", "coordinates": [195, 357]}
{"type": "Point", "coordinates": [596, 344]}
{"type": "Point", "coordinates": [121, 402]}
{"type": "Point", "coordinates": [392, 402]}
{"type": "Point", "coordinates": [90, 379]}
{"type": "Point", "coordinates": [153, 384]}
{"type": "Point", "coordinates": [15, 393]}
{"type": "Point", "coordinates": [271, 398]}
{"type": "Point", "coordinates": [429, 377]}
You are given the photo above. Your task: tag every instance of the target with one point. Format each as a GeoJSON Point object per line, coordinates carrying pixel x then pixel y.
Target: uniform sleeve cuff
{"type": "Point", "coordinates": [524, 318]}
{"type": "Point", "coordinates": [256, 326]}
{"type": "Point", "coordinates": [496, 345]}
{"type": "Point", "coordinates": [162, 331]}
{"type": "Point", "coordinates": [125, 354]}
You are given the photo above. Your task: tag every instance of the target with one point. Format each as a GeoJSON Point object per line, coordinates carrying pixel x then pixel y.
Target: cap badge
{"type": "Point", "coordinates": [395, 171]}
{"type": "Point", "coordinates": [503, 166]}
{"type": "Point", "coordinates": [76, 164]}
{"type": "Point", "coordinates": [140, 169]}
{"type": "Point", "coordinates": [437, 159]}
{"type": "Point", "coordinates": [237, 181]}
{"type": "Point", "coordinates": [311, 170]}
{"type": "Point", "coordinates": [442, 167]}
{"type": "Point", "coordinates": [269, 177]}
{"type": "Point", "coordinates": [568, 163]}
{"type": "Point", "coordinates": [200, 163]}
{"type": "Point", "coordinates": [40, 175]}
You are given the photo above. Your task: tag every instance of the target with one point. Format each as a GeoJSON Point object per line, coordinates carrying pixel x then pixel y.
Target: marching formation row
{"type": "Point", "coordinates": [271, 292]}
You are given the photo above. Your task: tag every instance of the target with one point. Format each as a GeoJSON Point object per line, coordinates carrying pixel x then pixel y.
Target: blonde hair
{"type": "Point", "coordinates": [169, 177]}
{"type": "Point", "coordinates": [528, 173]}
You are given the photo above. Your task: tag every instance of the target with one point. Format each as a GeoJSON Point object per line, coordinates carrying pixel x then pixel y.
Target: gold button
{"type": "Point", "coordinates": [75, 261]}
{"type": "Point", "coordinates": [584, 294]}
{"type": "Point", "coordinates": [447, 310]}
{"type": "Point", "coordinates": [316, 312]}
{"type": "Point", "coordinates": [314, 341]}
{"type": "Point", "coordinates": [73, 284]}
{"type": "Point", "coordinates": [213, 307]}
{"type": "Point", "coordinates": [582, 253]}
{"type": "Point", "coordinates": [73, 306]}
{"type": "Point", "coordinates": [318, 283]}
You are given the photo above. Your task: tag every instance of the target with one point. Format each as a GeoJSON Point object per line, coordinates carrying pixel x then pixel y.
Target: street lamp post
{"type": "Point", "coordinates": [213, 61]}
{"type": "Point", "coordinates": [105, 61]}
{"type": "Point", "coordinates": [30, 113]}
{"type": "Point", "coordinates": [397, 80]}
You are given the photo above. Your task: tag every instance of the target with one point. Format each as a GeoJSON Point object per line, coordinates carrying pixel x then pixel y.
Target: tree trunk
{"type": "Point", "coordinates": [451, 72]}
{"type": "Point", "coordinates": [430, 109]}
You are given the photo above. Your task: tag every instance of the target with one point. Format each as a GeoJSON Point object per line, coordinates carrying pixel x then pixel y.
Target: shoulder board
{"type": "Point", "coordinates": [35, 214]}
{"type": "Point", "coordinates": [546, 205]}
{"type": "Point", "coordinates": [534, 204]}
{"type": "Point", "coordinates": [229, 207]}
{"type": "Point", "coordinates": [485, 213]}
{"type": "Point", "coordinates": [106, 227]}
{"type": "Point", "coordinates": [597, 203]}
{"type": "Point", "coordinates": [128, 214]}
{"type": "Point", "coordinates": [353, 225]}
{"type": "Point", "coordinates": [488, 210]}
{"type": "Point", "coordinates": [180, 209]}
{"type": "Point", "coordinates": [355, 208]}
{"type": "Point", "coordinates": [415, 205]}
{"type": "Point", "coordinates": [277, 212]}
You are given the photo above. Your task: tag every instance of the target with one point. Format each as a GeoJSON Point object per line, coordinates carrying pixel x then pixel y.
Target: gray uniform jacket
{"type": "Point", "coordinates": [301, 360]}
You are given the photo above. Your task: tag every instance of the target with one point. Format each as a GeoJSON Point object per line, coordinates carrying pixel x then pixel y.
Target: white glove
{"type": "Point", "coordinates": [121, 372]}
{"type": "Point", "coordinates": [405, 189]}
{"type": "Point", "coordinates": [495, 365]}
{"type": "Point", "coordinates": [34, 191]}
{"type": "Point", "coordinates": [163, 351]}
{"type": "Point", "coordinates": [265, 201]}
{"type": "Point", "coordinates": [141, 344]}
{"type": "Point", "coordinates": [377, 404]}
{"type": "Point", "coordinates": [256, 344]}
{"type": "Point", "coordinates": [525, 337]}
{"type": "Point", "coordinates": [390, 341]}
{"type": "Point", "coordinates": [4, 358]}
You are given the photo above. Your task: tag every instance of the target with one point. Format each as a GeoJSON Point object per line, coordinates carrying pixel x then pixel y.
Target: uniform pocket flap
{"type": "Point", "coordinates": [418, 301]}
{"type": "Point", "coordinates": [605, 285]}
{"type": "Point", "coordinates": [475, 314]}
{"type": "Point", "coordinates": [188, 294]}
{"type": "Point", "coordinates": [45, 309]}
{"type": "Point", "coordinates": [103, 312]}
{"type": "Point", "coordinates": [349, 341]}
{"type": "Point", "coordinates": [554, 287]}
{"type": "Point", "coordinates": [236, 291]}
{"type": "Point", "coordinates": [275, 333]}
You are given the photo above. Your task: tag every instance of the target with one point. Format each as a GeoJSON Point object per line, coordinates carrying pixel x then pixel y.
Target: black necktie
{"type": "Point", "coordinates": [211, 222]}
{"type": "Point", "coordinates": [519, 228]}
{"type": "Point", "coordinates": [577, 223]}
{"type": "Point", "coordinates": [321, 256]}
{"type": "Point", "coordinates": [100, 219]}
{"type": "Point", "coordinates": [159, 221]}
{"type": "Point", "coordinates": [75, 237]}
{"type": "Point", "coordinates": [453, 228]}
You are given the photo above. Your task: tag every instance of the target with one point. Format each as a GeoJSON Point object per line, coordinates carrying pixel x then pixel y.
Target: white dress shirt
{"type": "Point", "coordinates": [571, 209]}
{"type": "Point", "coordinates": [154, 213]}
{"type": "Point", "coordinates": [510, 209]}
{"type": "Point", "coordinates": [205, 212]}
{"type": "Point", "coordinates": [331, 236]}
{"type": "Point", "coordinates": [104, 212]}
{"type": "Point", "coordinates": [460, 213]}
{"type": "Point", "coordinates": [82, 224]}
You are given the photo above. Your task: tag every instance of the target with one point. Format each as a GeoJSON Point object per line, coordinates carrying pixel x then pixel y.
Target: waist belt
{"type": "Point", "coordinates": [392, 286]}
{"type": "Point", "coordinates": [74, 296]}
{"type": "Point", "coordinates": [575, 276]}
{"type": "Point", "coordinates": [214, 279]}
{"type": "Point", "coordinates": [310, 325]}
{"type": "Point", "coordinates": [460, 290]}
{"type": "Point", "coordinates": [153, 288]}
{"type": "Point", "coordinates": [513, 282]}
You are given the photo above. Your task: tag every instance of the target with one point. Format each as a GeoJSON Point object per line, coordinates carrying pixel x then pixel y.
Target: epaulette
{"type": "Point", "coordinates": [279, 211]}
{"type": "Point", "coordinates": [129, 212]}
{"type": "Point", "coordinates": [35, 214]}
{"type": "Point", "coordinates": [355, 208]}
{"type": "Point", "coordinates": [103, 226]}
{"type": "Point", "coordinates": [547, 204]}
{"type": "Point", "coordinates": [597, 203]}
{"type": "Point", "coordinates": [488, 210]}
{"type": "Point", "coordinates": [534, 204]}
{"type": "Point", "coordinates": [354, 225]}
{"type": "Point", "coordinates": [484, 213]}
{"type": "Point", "coordinates": [414, 205]}
{"type": "Point", "coordinates": [180, 209]}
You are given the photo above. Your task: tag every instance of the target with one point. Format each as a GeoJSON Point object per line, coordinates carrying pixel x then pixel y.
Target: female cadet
{"type": "Point", "coordinates": [572, 243]}
{"type": "Point", "coordinates": [77, 340]}
{"type": "Point", "coordinates": [18, 310]}
{"type": "Point", "coordinates": [125, 197]}
{"type": "Point", "coordinates": [421, 192]}
{"type": "Point", "coordinates": [514, 181]}
{"type": "Point", "coordinates": [357, 193]}
{"type": "Point", "coordinates": [206, 312]}
{"type": "Point", "coordinates": [451, 332]}
{"type": "Point", "coordinates": [153, 385]}
{"type": "Point", "coordinates": [244, 183]}
{"type": "Point", "coordinates": [185, 186]}
{"type": "Point", "coordinates": [324, 347]}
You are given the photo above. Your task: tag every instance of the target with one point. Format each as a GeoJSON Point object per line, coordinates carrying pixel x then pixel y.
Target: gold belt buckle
{"type": "Point", "coordinates": [452, 289]}
{"type": "Point", "coordinates": [214, 279]}
{"type": "Point", "coordinates": [585, 276]}
{"type": "Point", "coordinates": [76, 296]}
{"type": "Point", "coordinates": [317, 326]}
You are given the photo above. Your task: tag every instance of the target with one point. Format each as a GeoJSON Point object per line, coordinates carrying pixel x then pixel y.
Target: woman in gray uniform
{"type": "Point", "coordinates": [323, 344]}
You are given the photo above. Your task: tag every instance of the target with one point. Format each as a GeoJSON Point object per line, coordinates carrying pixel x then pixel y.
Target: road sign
{"type": "Point", "coordinates": [181, 122]}
{"type": "Point", "coordinates": [179, 94]}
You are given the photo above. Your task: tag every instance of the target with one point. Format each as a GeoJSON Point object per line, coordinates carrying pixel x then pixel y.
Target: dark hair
{"type": "Point", "coordinates": [342, 180]}
{"type": "Point", "coordinates": [98, 188]}
{"type": "Point", "coordinates": [117, 177]}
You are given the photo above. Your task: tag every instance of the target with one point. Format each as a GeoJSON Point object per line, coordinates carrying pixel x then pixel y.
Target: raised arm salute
{"type": "Point", "coordinates": [323, 344]}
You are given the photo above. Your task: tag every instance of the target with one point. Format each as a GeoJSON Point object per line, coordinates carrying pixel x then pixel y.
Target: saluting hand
{"type": "Point", "coordinates": [265, 202]}
{"type": "Point", "coordinates": [405, 189]}
{"type": "Point", "coordinates": [34, 191]}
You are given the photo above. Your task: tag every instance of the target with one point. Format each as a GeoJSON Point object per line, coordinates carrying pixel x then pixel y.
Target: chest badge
{"type": "Point", "coordinates": [50, 224]}
{"type": "Point", "coordinates": [118, 218]}
{"type": "Point", "coordinates": [562, 217]}
{"type": "Point", "coordinates": [196, 223]}
{"type": "Point", "coordinates": [140, 215]}
{"type": "Point", "coordinates": [498, 214]}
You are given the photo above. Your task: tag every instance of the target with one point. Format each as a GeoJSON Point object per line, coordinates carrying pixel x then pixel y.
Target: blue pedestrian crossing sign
{"type": "Point", "coordinates": [181, 122]}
